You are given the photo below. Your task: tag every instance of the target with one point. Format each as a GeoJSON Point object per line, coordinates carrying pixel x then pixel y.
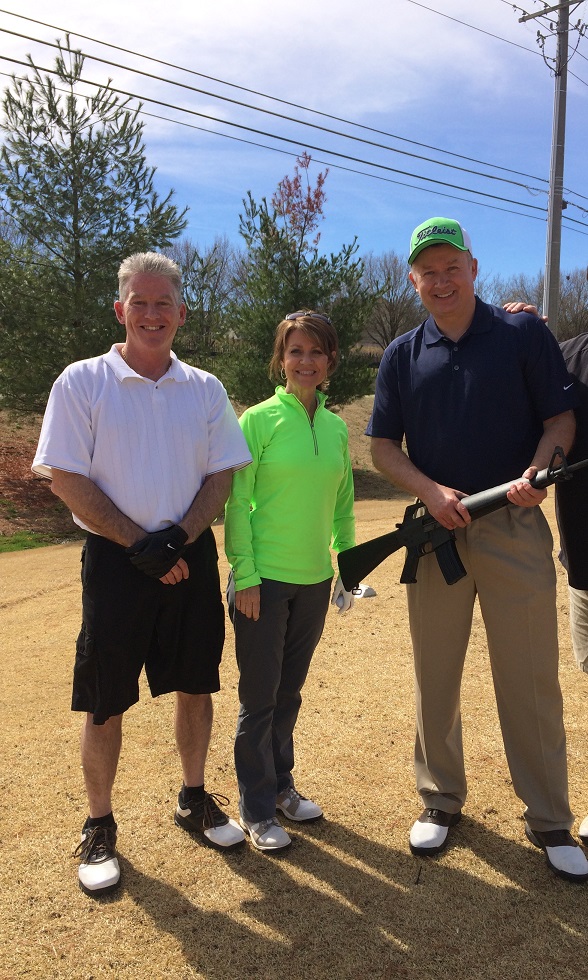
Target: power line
{"type": "Point", "coordinates": [514, 7]}
{"type": "Point", "coordinates": [298, 121]}
{"type": "Point", "coordinates": [304, 144]}
{"type": "Point", "coordinates": [338, 166]}
{"type": "Point", "coordinates": [480, 30]}
{"type": "Point", "coordinates": [577, 77]}
{"type": "Point", "coordinates": [325, 129]}
{"type": "Point", "coordinates": [497, 37]}
{"type": "Point", "coordinates": [291, 119]}
{"type": "Point", "coordinates": [287, 139]}
{"type": "Point", "coordinates": [272, 98]}
{"type": "Point", "coordinates": [361, 173]}
{"type": "Point", "coordinates": [304, 108]}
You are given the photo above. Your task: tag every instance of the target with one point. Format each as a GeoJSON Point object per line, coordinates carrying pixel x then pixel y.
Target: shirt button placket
{"type": "Point", "coordinates": [158, 403]}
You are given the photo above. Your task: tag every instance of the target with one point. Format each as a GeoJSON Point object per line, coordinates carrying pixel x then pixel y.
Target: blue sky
{"type": "Point", "coordinates": [472, 82]}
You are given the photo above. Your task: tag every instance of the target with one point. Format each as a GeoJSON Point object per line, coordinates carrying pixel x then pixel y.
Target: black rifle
{"type": "Point", "coordinates": [421, 534]}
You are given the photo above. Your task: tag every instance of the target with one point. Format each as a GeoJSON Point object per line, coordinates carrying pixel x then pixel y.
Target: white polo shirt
{"type": "Point", "coordinates": [148, 445]}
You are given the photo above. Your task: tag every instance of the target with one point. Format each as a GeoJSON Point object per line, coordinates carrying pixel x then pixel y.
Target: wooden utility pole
{"type": "Point", "coordinates": [556, 203]}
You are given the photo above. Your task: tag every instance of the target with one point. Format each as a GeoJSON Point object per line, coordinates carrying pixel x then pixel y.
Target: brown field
{"type": "Point", "coordinates": [347, 901]}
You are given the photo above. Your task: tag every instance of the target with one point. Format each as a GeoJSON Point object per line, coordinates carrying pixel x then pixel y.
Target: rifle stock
{"type": "Point", "coordinates": [422, 535]}
{"type": "Point", "coordinates": [356, 563]}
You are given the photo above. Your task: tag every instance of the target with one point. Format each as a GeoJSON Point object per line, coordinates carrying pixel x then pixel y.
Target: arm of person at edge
{"type": "Point", "coordinates": [102, 516]}
{"type": "Point", "coordinates": [516, 307]}
{"type": "Point", "coordinates": [445, 503]}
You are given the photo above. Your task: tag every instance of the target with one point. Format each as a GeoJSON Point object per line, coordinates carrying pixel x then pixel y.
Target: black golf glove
{"type": "Point", "coordinates": [156, 554]}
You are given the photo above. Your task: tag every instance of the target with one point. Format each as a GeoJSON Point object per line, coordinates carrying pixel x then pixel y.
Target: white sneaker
{"type": "Point", "coordinates": [267, 835]}
{"type": "Point", "coordinates": [583, 831]}
{"type": "Point", "coordinates": [563, 854]}
{"type": "Point", "coordinates": [99, 871]}
{"type": "Point", "coordinates": [297, 807]}
{"type": "Point", "coordinates": [428, 834]}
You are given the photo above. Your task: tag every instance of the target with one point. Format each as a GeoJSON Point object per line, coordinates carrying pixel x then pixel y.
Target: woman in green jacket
{"type": "Point", "coordinates": [285, 510]}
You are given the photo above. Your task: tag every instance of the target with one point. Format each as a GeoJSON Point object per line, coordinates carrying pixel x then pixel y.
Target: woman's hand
{"type": "Point", "coordinates": [247, 601]}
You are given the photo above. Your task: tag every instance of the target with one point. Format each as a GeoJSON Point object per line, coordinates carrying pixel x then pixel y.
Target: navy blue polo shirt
{"type": "Point", "coordinates": [471, 411]}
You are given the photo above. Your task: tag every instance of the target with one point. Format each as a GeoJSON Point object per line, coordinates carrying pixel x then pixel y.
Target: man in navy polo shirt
{"type": "Point", "coordinates": [480, 395]}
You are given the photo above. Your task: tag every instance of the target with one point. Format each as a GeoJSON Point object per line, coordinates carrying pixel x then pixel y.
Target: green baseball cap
{"type": "Point", "coordinates": [435, 231]}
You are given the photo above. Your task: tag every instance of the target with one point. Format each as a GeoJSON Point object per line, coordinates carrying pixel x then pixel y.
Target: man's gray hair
{"type": "Point", "coordinates": [152, 264]}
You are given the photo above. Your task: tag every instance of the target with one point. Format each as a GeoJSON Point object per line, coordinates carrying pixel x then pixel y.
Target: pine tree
{"type": "Point", "coordinates": [75, 184]}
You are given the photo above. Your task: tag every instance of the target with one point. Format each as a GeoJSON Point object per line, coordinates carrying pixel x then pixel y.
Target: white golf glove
{"type": "Point", "coordinates": [341, 598]}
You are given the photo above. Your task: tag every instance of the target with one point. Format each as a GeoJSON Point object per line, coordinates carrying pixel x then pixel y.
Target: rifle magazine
{"type": "Point", "coordinates": [449, 561]}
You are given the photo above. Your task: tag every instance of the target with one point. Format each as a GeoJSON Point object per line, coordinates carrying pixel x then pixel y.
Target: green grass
{"type": "Point", "coordinates": [8, 509]}
{"type": "Point", "coordinates": [23, 540]}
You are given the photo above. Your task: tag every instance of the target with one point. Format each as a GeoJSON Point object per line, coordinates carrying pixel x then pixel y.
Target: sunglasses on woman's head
{"type": "Point", "coordinates": [301, 313]}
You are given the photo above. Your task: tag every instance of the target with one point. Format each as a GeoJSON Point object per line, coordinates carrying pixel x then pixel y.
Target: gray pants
{"type": "Point", "coordinates": [273, 656]}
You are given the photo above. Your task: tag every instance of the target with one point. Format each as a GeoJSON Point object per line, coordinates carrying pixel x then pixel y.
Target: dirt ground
{"type": "Point", "coordinates": [347, 901]}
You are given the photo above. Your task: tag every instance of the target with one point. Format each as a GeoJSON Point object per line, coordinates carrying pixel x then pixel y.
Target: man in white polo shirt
{"type": "Point", "coordinates": [141, 447]}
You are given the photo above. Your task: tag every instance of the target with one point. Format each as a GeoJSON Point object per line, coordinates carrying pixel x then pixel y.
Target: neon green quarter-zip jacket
{"type": "Point", "coordinates": [295, 499]}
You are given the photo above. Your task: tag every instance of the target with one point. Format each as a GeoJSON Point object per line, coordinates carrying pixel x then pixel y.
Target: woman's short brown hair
{"type": "Point", "coordinates": [315, 325]}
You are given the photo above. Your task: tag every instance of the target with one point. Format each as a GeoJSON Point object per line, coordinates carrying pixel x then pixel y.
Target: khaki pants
{"type": "Point", "coordinates": [579, 626]}
{"type": "Point", "coordinates": [508, 557]}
